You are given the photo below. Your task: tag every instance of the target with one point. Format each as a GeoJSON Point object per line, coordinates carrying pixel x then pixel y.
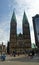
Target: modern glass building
{"type": "Point", "coordinates": [36, 28]}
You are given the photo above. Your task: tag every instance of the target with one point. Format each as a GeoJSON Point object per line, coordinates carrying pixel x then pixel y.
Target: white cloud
{"type": "Point", "coordinates": [19, 24]}
{"type": "Point", "coordinates": [31, 8]}
{"type": "Point", "coordinates": [4, 31]}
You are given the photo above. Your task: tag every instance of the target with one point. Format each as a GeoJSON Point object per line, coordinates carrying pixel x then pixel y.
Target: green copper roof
{"type": "Point", "coordinates": [34, 46]}
{"type": "Point", "coordinates": [13, 17]}
{"type": "Point", "coordinates": [25, 18]}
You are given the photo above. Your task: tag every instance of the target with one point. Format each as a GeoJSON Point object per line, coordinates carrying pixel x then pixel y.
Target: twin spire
{"type": "Point", "coordinates": [25, 20]}
{"type": "Point", "coordinates": [24, 17]}
{"type": "Point", "coordinates": [13, 17]}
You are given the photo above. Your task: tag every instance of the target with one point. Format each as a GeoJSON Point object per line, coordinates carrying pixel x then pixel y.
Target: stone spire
{"type": "Point", "coordinates": [25, 20]}
{"type": "Point", "coordinates": [13, 19]}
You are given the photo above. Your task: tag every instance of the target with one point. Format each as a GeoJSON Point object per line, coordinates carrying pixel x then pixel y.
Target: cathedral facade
{"type": "Point", "coordinates": [19, 42]}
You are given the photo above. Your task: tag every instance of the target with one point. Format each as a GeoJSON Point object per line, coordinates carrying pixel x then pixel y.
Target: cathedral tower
{"type": "Point", "coordinates": [13, 33]}
{"type": "Point", "coordinates": [26, 32]}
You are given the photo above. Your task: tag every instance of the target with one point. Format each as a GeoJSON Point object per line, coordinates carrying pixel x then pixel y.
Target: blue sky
{"type": "Point", "coordinates": [31, 7]}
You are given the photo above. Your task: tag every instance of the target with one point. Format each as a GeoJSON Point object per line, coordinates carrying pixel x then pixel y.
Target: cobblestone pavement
{"type": "Point", "coordinates": [19, 60]}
